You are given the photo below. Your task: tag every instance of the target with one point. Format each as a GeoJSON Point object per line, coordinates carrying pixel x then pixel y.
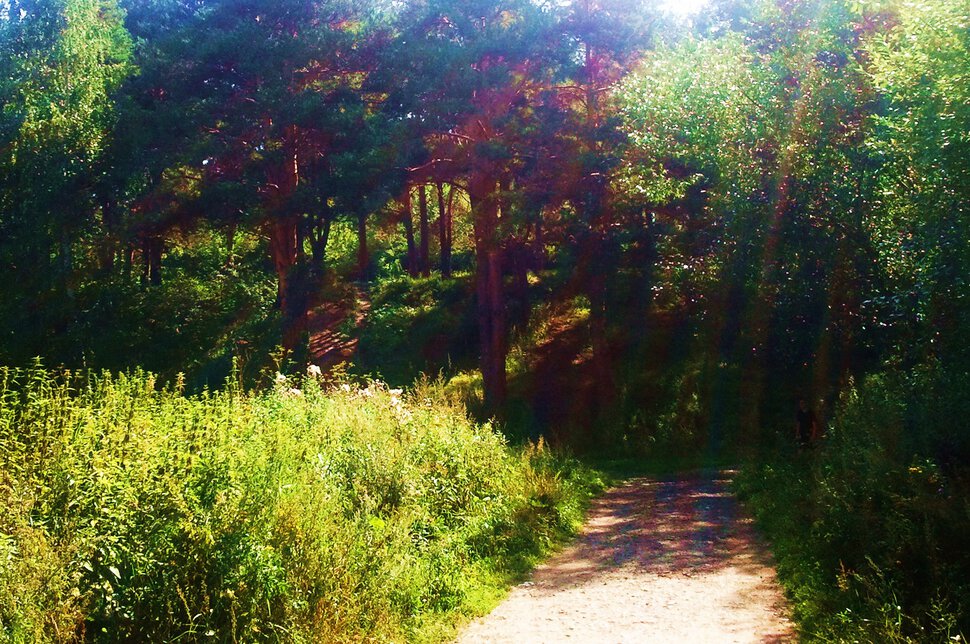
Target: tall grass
{"type": "Point", "coordinates": [296, 514]}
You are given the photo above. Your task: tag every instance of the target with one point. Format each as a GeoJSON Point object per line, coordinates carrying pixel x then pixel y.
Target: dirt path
{"type": "Point", "coordinates": [328, 346]}
{"type": "Point", "coordinates": [669, 560]}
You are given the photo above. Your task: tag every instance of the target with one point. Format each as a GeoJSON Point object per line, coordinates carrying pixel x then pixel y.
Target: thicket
{"type": "Point", "coordinates": [303, 513]}
{"type": "Point", "coordinates": [869, 528]}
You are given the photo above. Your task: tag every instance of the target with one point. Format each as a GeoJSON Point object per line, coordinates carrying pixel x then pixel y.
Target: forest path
{"type": "Point", "coordinates": [328, 345]}
{"type": "Point", "coordinates": [659, 560]}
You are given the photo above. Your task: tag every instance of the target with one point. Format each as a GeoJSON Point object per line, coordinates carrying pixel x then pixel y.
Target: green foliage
{"type": "Point", "coordinates": [870, 530]}
{"type": "Point", "coordinates": [922, 223]}
{"type": "Point", "coordinates": [64, 62]}
{"type": "Point", "coordinates": [72, 56]}
{"type": "Point", "coordinates": [212, 306]}
{"type": "Point", "coordinates": [703, 103]}
{"type": "Point", "coordinates": [295, 515]}
{"type": "Point", "coordinates": [418, 325]}
{"type": "Point", "coordinates": [773, 201]}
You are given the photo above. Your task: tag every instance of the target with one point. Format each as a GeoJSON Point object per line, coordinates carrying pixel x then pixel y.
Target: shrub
{"type": "Point", "coordinates": [871, 530]}
{"type": "Point", "coordinates": [295, 514]}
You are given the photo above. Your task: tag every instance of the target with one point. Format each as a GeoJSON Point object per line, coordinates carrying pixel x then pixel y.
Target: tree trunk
{"type": "Point", "coordinates": [230, 244]}
{"type": "Point", "coordinates": [128, 259]}
{"type": "Point", "coordinates": [318, 246]}
{"type": "Point", "coordinates": [488, 283]}
{"type": "Point", "coordinates": [444, 243]}
{"type": "Point", "coordinates": [290, 286]}
{"type": "Point", "coordinates": [412, 260]}
{"type": "Point", "coordinates": [151, 254]}
{"type": "Point", "coordinates": [108, 242]}
{"type": "Point", "coordinates": [155, 261]}
{"type": "Point", "coordinates": [423, 220]}
{"type": "Point", "coordinates": [496, 311]}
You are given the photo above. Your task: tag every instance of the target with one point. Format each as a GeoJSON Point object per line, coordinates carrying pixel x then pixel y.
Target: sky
{"type": "Point", "coordinates": [683, 8]}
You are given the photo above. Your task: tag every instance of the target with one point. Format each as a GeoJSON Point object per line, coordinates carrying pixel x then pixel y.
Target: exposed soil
{"type": "Point", "coordinates": [328, 345]}
{"type": "Point", "coordinates": [669, 560]}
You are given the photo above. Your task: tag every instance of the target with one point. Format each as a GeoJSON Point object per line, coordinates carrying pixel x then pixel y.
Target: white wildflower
{"type": "Point", "coordinates": [314, 371]}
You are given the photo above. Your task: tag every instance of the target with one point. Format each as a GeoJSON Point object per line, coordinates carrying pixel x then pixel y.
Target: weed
{"type": "Point", "coordinates": [302, 513]}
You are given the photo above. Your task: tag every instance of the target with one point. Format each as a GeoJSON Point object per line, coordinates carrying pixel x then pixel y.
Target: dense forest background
{"type": "Point", "coordinates": [597, 224]}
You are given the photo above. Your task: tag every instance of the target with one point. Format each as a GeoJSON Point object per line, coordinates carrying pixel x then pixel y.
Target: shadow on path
{"type": "Point", "coordinates": [665, 561]}
{"type": "Point", "coordinates": [328, 345]}
{"type": "Point", "coordinates": [675, 526]}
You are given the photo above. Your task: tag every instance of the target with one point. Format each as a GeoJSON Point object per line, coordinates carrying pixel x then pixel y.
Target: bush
{"type": "Point", "coordinates": [296, 514]}
{"type": "Point", "coordinates": [870, 531]}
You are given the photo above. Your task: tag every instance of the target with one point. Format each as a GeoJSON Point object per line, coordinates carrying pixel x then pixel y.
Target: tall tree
{"type": "Point", "coordinates": [64, 60]}
{"type": "Point", "coordinates": [283, 138]}
{"type": "Point", "coordinates": [470, 67]}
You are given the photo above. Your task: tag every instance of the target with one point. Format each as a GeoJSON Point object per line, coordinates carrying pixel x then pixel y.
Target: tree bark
{"type": "Point", "coordinates": [424, 258]}
{"type": "Point", "coordinates": [318, 245]}
{"type": "Point", "coordinates": [488, 283]}
{"type": "Point", "coordinates": [128, 259]}
{"type": "Point", "coordinates": [292, 300]}
{"type": "Point", "coordinates": [444, 228]}
{"type": "Point", "coordinates": [412, 260]}
{"type": "Point", "coordinates": [151, 253]}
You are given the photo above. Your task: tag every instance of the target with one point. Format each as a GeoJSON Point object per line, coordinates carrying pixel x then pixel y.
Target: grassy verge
{"type": "Point", "coordinates": [296, 514]}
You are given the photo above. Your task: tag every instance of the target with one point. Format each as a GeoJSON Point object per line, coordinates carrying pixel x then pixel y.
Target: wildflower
{"type": "Point", "coordinates": [279, 379]}
{"type": "Point", "coordinates": [345, 387]}
{"type": "Point", "coordinates": [314, 371]}
{"type": "Point", "coordinates": [293, 392]}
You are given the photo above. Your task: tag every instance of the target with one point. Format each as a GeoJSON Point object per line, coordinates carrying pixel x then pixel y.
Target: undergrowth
{"type": "Point", "coordinates": [297, 514]}
{"type": "Point", "coordinates": [869, 528]}
{"type": "Point", "coordinates": [416, 326]}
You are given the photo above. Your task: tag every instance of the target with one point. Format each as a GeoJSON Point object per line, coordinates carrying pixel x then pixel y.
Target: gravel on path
{"type": "Point", "coordinates": [668, 560]}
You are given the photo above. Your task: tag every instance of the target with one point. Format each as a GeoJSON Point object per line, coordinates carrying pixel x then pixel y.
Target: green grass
{"type": "Point", "coordinates": [296, 514]}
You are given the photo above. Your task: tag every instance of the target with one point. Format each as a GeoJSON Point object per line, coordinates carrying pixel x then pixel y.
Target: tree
{"type": "Point", "coordinates": [764, 131]}
{"type": "Point", "coordinates": [283, 138]}
{"type": "Point", "coordinates": [64, 60]}
{"type": "Point", "coordinates": [470, 68]}
{"type": "Point", "coordinates": [922, 220]}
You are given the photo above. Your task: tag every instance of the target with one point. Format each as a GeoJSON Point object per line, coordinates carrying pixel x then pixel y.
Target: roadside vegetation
{"type": "Point", "coordinates": [303, 513]}
{"type": "Point", "coordinates": [869, 527]}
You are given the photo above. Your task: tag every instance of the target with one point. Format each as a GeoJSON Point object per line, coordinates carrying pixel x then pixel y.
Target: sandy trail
{"type": "Point", "coordinates": [669, 560]}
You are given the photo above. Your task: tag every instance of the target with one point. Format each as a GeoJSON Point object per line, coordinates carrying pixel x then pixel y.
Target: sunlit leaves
{"type": "Point", "coordinates": [922, 68]}
{"type": "Point", "coordinates": [66, 86]}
